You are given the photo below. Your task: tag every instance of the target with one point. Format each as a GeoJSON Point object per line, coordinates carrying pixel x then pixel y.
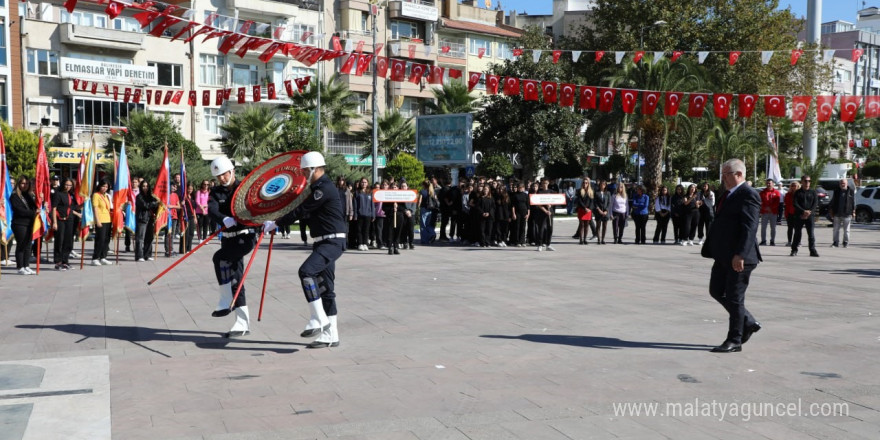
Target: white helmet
{"type": "Point", "coordinates": [221, 165]}
{"type": "Point", "coordinates": [312, 159]}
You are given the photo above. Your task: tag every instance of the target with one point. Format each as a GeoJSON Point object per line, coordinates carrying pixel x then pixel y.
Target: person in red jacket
{"type": "Point", "coordinates": [769, 211]}
{"type": "Point", "coordinates": [789, 209]}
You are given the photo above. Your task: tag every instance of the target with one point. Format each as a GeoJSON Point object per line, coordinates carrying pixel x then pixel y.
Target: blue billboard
{"type": "Point", "coordinates": [444, 139]}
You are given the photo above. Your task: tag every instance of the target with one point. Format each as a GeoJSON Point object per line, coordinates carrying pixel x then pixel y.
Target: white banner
{"type": "Point", "coordinates": [547, 199]}
{"type": "Point", "coordinates": [415, 10]}
{"type": "Point", "coordinates": [395, 195]}
{"type": "Point", "coordinates": [108, 72]}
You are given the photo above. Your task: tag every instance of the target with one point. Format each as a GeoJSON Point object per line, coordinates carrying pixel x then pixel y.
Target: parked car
{"type": "Point", "coordinates": [867, 204]}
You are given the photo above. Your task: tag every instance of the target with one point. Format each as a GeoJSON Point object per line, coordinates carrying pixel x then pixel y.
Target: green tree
{"type": "Point", "coordinates": [148, 132]}
{"type": "Point", "coordinates": [729, 140]}
{"type": "Point", "coordinates": [337, 105]}
{"type": "Point", "coordinates": [337, 166]}
{"type": "Point", "coordinates": [871, 169]}
{"type": "Point", "coordinates": [396, 135]}
{"type": "Point", "coordinates": [495, 165]}
{"type": "Point", "coordinates": [21, 151]}
{"type": "Point", "coordinates": [408, 167]}
{"type": "Point", "coordinates": [252, 135]}
{"type": "Point", "coordinates": [453, 97]}
{"type": "Point", "coordinates": [298, 132]}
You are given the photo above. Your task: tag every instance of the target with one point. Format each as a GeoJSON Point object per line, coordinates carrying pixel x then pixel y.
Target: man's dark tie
{"type": "Point", "coordinates": [721, 202]}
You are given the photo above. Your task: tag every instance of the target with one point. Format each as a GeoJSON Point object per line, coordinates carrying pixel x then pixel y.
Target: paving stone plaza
{"type": "Point", "coordinates": [450, 342]}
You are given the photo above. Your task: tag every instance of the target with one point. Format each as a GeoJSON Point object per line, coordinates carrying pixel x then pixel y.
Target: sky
{"type": "Point", "coordinates": [831, 9]}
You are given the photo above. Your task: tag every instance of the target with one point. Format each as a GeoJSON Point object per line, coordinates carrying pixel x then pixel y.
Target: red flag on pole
{"type": "Point", "coordinates": [799, 107]}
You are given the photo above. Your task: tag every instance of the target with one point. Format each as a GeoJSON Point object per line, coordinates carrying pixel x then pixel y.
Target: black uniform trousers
{"type": "Point", "coordinates": [143, 240]}
{"type": "Point", "coordinates": [102, 241]}
{"type": "Point", "coordinates": [229, 262]}
{"type": "Point", "coordinates": [662, 226]}
{"type": "Point", "coordinates": [799, 225]}
{"type": "Point", "coordinates": [23, 244]}
{"type": "Point", "coordinates": [320, 266]}
{"type": "Point", "coordinates": [728, 287]}
{"type": "Point", "coordinates": [186, 237]}
{"type": "Point", "coordinates": [63, 241]}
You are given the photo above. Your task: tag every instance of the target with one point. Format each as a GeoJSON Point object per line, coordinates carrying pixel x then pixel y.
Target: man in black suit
{"type": "Point", "coordinates": [732, 244]}
{"type": "Point", "coordinates": [806, 203]}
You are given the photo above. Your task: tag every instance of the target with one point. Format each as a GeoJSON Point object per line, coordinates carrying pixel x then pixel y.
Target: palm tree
{"type": "Point", "coordinates": [252, 135]}
{"type": "Point", "coordinates": [396, 135]}
{"type": "Point", "coordinates": [683, 75]}
{"type": "Point", "coordinates": [337, 105]}
{"type": "Point", "coordinates": [453, 97]}
{"type": "Point", "coordinates": [729, 139]}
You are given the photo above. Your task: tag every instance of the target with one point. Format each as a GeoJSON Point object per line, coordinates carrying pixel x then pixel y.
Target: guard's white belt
{"type": "Point", "coordinates": [236, 233]}
{"type": "Point", "coordinates": [329, 236]}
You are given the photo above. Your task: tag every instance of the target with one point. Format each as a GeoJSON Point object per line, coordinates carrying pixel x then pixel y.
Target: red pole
{"type": "Point", "coordinates": [266, 276]}
{"type": "Point", "coordinates": [246, 270]}
{"type": "Point", "coordinates": [185, 256]}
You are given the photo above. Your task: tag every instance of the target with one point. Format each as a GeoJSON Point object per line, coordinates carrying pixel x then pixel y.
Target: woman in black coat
{"type": "Point", "coordinates": [601, 210]}
{"type": "Point", "coordinates": [502, 216]}
{"type": "Point", "coordinates": [677, 212]}
{"type": "Point", "coordinates": [146, 208]}
{"type": "Point", "coordinates": [24, 211]}
{"type": "Point", "coordinates": [485, 211]}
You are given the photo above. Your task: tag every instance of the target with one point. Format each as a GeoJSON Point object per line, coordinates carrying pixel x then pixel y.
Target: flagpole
{"type": "Point", "coordinates": [246, 270]}
{"type": "Point", "coordinates": [266, 275]}
{"type": "Point", "coordinates": [185, 256]}
{"type": "Point", "coordinates": [39, 253]}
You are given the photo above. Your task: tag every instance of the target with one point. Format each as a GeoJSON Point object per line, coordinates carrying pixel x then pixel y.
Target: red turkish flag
{"type": "Point", "coordinates": [721, 104]}
{"type": "Point", "coordinates": [226, 94]}
{"type": "Point", "coordinates": [865, 143]}
{"type": "Point", "coordinates": [849, 106]}
{"type": "Point", "coordinates": [189, 27]}
{"type": "Point", "coordinates": [381, 67]}
{"type": "Point", "coordinates": [556, 55]}
{"type": "Point", "coordinates": [301, 83]}
{"type": "Point", "coordinates": [455, 73]}
{"type": "Point", "coordinates": [288, 87]}
{"type": "Point", "coordinates": [747, 105]}
{"type": "Point", "coordinates": [360, 46]}
{"type": "Point", "coordinates": [697, 104]}
{"type": "Point", "coordinates": [530, 89]}
{"type": "Point", "coordinates": [606, 99]}
{"type": "Point", "coordinates": [872, 106]}
{"type": "Point", "coordinates": [191, 98]}
{"type": "Point", "coordinates": [218, 96]}
{"type": "Point", "coordinates": [398, 70]}
{"type": "Point", "coordinates": [114, 9]}
{"type": "Point", "coordinates": [799, 107]}
{"type": "Point", "coordinates": [363, 63]}
{"type": "Point", "coordinates": [599, 55]}
{"type": "Point", "coordinates": [436, 75]}
{"type": "Point", "coordinates": [416, 72]}
{"type": "Point", "coordinates": [856, 54]}
{"type": "Point", "coordinates": [649, 102]}
{"type": "Point", "coordinates": [137, 96]}
{"type": "Point", "coordinates": [116, 93]}
{"type": "Point", "coordinates": [480, 52]}
{"type": "Point", "coordinates": [796, 55]}
{"type": "Point", "coordinates": [492, 84]}
{"type": "Point", "coordinates": [566, 94]}
{"type": "Point", "coordinates": [671, 103]}
{"type": "Point", "coordinates": [241, 95]}
{"type": "Point", "coordinates": [127, 96]}
{"type": "Point", "coordinates": [75, 84]}
{"type": "Point", "coordinates": [176, 98]}
{"type": "Point", "coordinates": [734, 57]}
{"type": "Point", "coordinates": [587, 98]}
{"type": "Point", "coordinates": [167, 99]}
{"type": "Point", "coordinates": [638, 56]}
{"type": "Point", "coordinates": [270, 91]}
{"type": "Point", "coordinates": [336, 44]}
{"type": "Point", "coordinates": [473, 79]}
{"type": "Point", "coordinates": [107, 90]}
{"type": "Point", "coordinates": [511, 86]}
{"type": "Point", "coordinates": [517, 52]}
{"type": "Point", "coordinates": [628, 100]}
{"type": "Point", "coordinates": [257, 93]}
{"type": "Point", "coordinates": [206, 98]}
{"type": "Point", "coordinates": [825, 107]}
{"type": "Point", "coordinates": [157, 97]}
{"type": "Point", "coordinates": [549, 89]}
{"type": "Point", "coordinates": [676, 54]}
{"type": "Point", "coordinates": [774, 105]}
{"type": "Point", "coordinates": [412, 51]}
{"type": "Point", "coordinates": [270, 51]}
{"type": "Point", "coordinates": [149, 95]}
{"type": "Point", "coordinates": [445, 49]}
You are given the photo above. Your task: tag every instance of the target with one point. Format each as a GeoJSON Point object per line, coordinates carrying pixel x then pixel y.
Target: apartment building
{"type": "Point", "coordinates": [567, 15]}
{"type": "Point", "coordinates": [5, 61]}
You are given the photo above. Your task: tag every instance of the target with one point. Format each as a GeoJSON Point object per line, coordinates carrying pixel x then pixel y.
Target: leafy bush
{"type": "Point", "coordinates": [408, 167]}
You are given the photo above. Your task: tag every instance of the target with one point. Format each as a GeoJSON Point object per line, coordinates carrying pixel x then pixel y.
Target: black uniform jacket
{"type": "Point", "coordinates": [322, 210]}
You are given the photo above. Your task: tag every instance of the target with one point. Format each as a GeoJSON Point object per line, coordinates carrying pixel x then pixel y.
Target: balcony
{"type": "Point", "coordinates": [408, 89]}
{"type": "Point", "coordinates": [457, 52]}
{"type": "Point", "coordinates": [101, 37]}
{"type": "Point", "coordinates": [281, 8]}
{"type": "Point", "coordinates": [423, 10]}
{"type": "Point", "coordinates": [403, 51]}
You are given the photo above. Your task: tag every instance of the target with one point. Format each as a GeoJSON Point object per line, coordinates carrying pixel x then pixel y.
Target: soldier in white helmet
{"type": "Point", "coordinates": [237, 241]}
{"type": "Point", "coordinates": [322, 211]}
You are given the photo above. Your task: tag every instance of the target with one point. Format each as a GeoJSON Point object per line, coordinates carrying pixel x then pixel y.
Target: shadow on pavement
{"type": "Point", "coordinates": [600, 342]}
{"type": "Point", "coordinates": [201, 339]}
{"type": "Point", "coordinates": [863, 273]}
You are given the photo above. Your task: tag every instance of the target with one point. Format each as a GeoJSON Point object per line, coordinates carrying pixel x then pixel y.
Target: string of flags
{"type": "Point", "coordinates": [194, 98]}
{"type": "Point", "coordinates": [732, 56]}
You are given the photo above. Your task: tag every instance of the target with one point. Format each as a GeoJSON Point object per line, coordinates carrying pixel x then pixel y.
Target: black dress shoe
{"type": "Point", "coordinates": [749, 330]}
{"type": "Point", "coordinates": [308, 333]}
{"type": "Point", "coordinates": [236, 334]}
{"type": "Point", "coordinates": [727, 347]}
{"type": "Point", "coordinates": [319, 344]}
{"type": "Point", "coordinates": [396, 251]}
{"type": "Point", "coordinates": [814, 254]}
{"type": "Point", "coordinates": [793, 254]}
{"type": "Point", "coordinates": [220, 313]}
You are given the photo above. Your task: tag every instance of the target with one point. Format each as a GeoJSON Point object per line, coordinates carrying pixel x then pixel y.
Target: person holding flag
{"type": "Point", "coordinates": [123, 197]}
{"type": "Point", "coordinates": [162, 192]}
{"type": "Point", "coordinates": [24, 214]}
{"type": "Point", "coordinates": [103, 224]}
{"type": "Point", "coordinates": [84, 193]}
{"type": "Point", "coordinates": [62, 224]}
{"type": "Point", "coordinates": [188, 220]}
{"type": "Point", "coordinates": [43, 198]}
{"type": "Point", "coordinates": [237, 241]}
{"type": "Point", "coordinates": [6, 189]}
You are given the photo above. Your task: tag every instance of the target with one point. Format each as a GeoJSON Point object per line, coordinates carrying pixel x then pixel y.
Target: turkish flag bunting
{"type": "Point", "coordinates": [252, 43]}
{"type": "Point", "coordinates": [517, 52]}
{"type": "Point", "coordinates": [566, 94]}
{"type": "Point", "coordinates": [734, 57]}
{"type": "Point", "coordinates": [270, 91]}
{"type": "Point", "coordinates": [163, 25]}
{"type": "Point", "coordinates": [116, 94]}
{"type": "Point", "coordinates": [360, 46]}
{"type": "Point", "coordinates": [480, 52]}
{"type": "Point", "coordinates": [218, 97]}
{"type": "Point", "coordinates": [492, 84]}
{"type": "Point", "coordinates": [348, 64]}
{"type": "Point", "coordinates": [206, 98]}
{"type": "Point", "coordinates": [305, 36]}
{"type": "Point", "coordinates": [721, 104]}
{"type": "Point", "coordinates": [445, 49]}
{"type": "Point", "coordinates": [312, 56]}
{"type": "Point", "coordinates": [278, 32]}
{"type": "Point", "coordinates": [202, 30]}
{"type": "Point", "coordinates": [411, 51]}
{"type": "Point", "coordinates": [511, 86]}
{"type": "Point", "coordinates": [671, 103]}
{"type": "Point", "coordinates": [270, 51]}
{"type": "Point", "coordinates": [127, 96]}
{"type": "Point", "coordinates": [599, 55]}
{"type": "Point", "coordinates": [628, 100]}
{"type": "Point", "coordinates": [176, 98]}
{"type": "Point", "coordinates": [363, 63]}
{"type": "Point", "coordinates": [676, 54]}
{"type": "Point", "coordinates": [226, 94]}
{"type": "Point", "coordinates": [145, 18]}
{"type": "Point", "coordinates": [747, 105]}
{"type": "Point", "coordinates": [549, 90]}
{"type": "Point", "coordinates": [856, 54]}
{"type": "Point", "coordinates": [436, 76]}
{"type": "Point", "coordinates": [455, 73]}
{"type": "Point", "coordinates": [796, 55]}
{"type": "Point", "coordinates": [241, 95]}
{"type": "Point", "coordinates": [167, 99]}
{"type": "Point", "coordinates": [331, 55]}
{"type": "Point", "coordinates": [417, 72]}
{"type": "Point", "coordinates": [292, 50]}
{"type": "Point", "coordinates": [288, 87]}
{"type": "Point", "coordinates": [301, 83]}
{"type": "Point", "coordinates": [774, 105]}
{"type": "Point", "coordinates": [587, 98]}
{"type": "Point", "coordinates": [381, 67]}
{"type": "Point", "coordinates": [257, 93]}
{"type": "Point", "coordinates": [229, 42]}
{"type": "Point", "coordinates": [638, 56]}
{"type": "Point", "coordinates": [825, 107]}
{"type": "Point", "coordinates": [336, 44]}
{"type": "Point", "coordinates": [114, 8]}
{"type": "Point", "coordinates": [70, 5]}
{"type": "Point", "coordinates": [649, 102]}
{"type": "Point", "coordinates": [872, 106]}
{"type": "Point", "coordinates": [191, 99]}
{"type": "Point", "coordinates": [849, 106]}
{"type": "Point", "coordinates": [697, 104]}
{"type": "Point", "coordinates": [799, 107]}
{"type": "Point", "coordinates": [137, 96]}
{"type": "Point", "coordinates": [473, 79]}
{"type": "Point", "coordinates": [530, 89]}
{"type": "Point", "coordinates": [106, 90]}
{"type": "Point", "coordinates": [398, 70]}
{"type": "Point", "coordinates": [189, 26]}
{"type": "Point", "coordinates": [556, 55]}
{"type": "Point", "coordinates": [149, 95]}
{"type": "Point", "coordinates": [218, 34]}
{"type": "Point", "coordinates": [246, 26]}
{"type": "Point", "coordinates": [606, 99]}
{"type": "Point", "coordinates": [76, 84]}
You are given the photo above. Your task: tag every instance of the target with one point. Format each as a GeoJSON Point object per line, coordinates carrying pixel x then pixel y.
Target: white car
{"type": "Point", "coordinates": [867, 204]}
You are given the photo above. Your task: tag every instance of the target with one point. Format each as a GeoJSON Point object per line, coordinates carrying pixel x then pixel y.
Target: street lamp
{"type": "Point", "coordinates": [642, 31]}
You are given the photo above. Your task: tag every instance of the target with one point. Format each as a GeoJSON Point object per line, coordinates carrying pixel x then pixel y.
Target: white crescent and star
{"type": "Point", "coordinates": [699, 100]}
{"type": "Point", "coordinates": [851, 107]}
{"type": "Point", "coordinates": [548, 89]}
{"type": "Point", "coordinates": [722, 101]}
{"type": "Point", "coordinates": [822, 108]}
{"type": "Point", "coordinates": [749, 100]}
{"type": "Point", "coordinates": [607, 95]}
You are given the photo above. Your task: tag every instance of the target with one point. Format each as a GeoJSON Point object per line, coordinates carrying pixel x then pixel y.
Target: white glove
{"type": "Point", "coordinates": [229, 222]}
{"type": "Point", "coordinates": [269, 226]}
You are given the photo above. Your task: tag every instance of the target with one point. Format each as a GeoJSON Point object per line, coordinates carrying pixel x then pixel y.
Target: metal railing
{"type": "Point", "coordinates": [456, 50]}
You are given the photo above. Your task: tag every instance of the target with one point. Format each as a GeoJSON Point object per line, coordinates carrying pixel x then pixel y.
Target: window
{"type": "Point", "coordinates": [404, 30]}
{"type": "Point", "coordinates": [244, 75]}
{"type": "Point", "coordinates": [276, 75]}
{"type": "Point", "coordinates": [2, 44]}
{"type": "Point", "coordinates": [87, 112]}
{"type": "Point", "coordinates": [127, 24]}
{"type": "Point", "coordinates": [170, 75]}
{"type": "Point", "coordinates": [363, 104]}
{"type": "Point", "coordinates": [297, 30]}
{"type": "Point", "coordinates": [411, 107]}
{"type": "Point", "coordinates": [457, 48]}
{"type": "Point", "coordinates": [85, 18]}
{"type": "Point", "coordinates": [42, 62]}
{"type": "Point", "coordinates": [477, 44]}
{"type": "Point", "coordinates": [212, 69]}
{"type": "Point", "coordinates": [4, 106]}
{"type": "Point", "coordinates": [504, 51]}
{"type": "Point", "coordinates": [302, 72]}
{"type": "Point", "coordinates": [364, 22]}
{"type": "Point", "coordinates": [214, 118]}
